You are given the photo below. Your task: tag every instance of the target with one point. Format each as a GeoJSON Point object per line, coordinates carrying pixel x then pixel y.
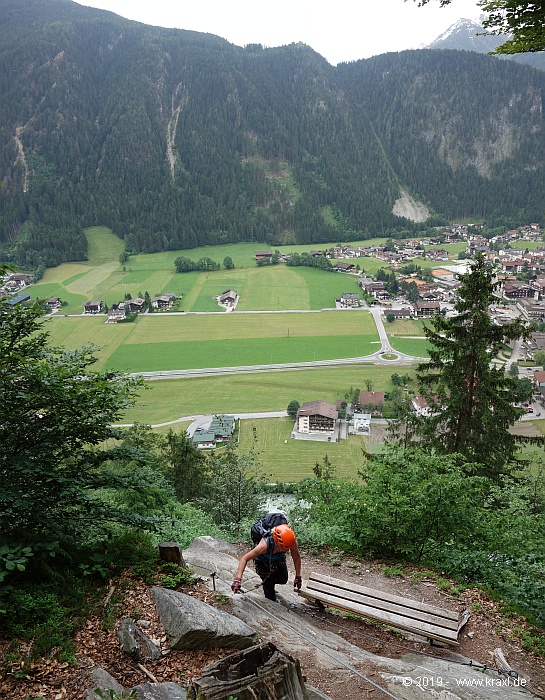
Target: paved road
{"type": "Point", "coordinates": [375, 358]}
{"type": "Point", "coordinates": [200, 421]}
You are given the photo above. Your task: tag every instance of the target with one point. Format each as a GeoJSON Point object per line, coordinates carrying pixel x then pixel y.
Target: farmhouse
{"type": "Point", "coordinates": [115, 315]}
{"type": "Point", "coordinates": [223, 427]}
{"type": "Point", "coordinates": [136, 306]}
{"type": "Point", "coordinates": [203, 439]}
{"type": "Point", "coordinates": [405, 312]}
{"type": "Point", "coordinates": [317, 417]}
{"type": "Point", "coordinates": [53, 303]}
{"type": "Point", "coordinates": [263, 255]}
{"type": "Point", "coordinates": [164, 301]}
{"type": "Point", "coordinates": [16, 282]}
{"type": "Point", "coordinates": [348, 300]}
{"type": "Point", "coordinates": [228, 298]}
{"type": "Point", "coordinates": [373, 399]}
{"type": "Point", "coordinates": [93, 307]}
{"type": "Point", "coordinates": [375, 289]}
{"type": "Point", "coordinates": [420, 406]}
{"type": "Point", "coordinates": [427, 308]}
{"type": "Point", "coordinates": [220, 430]}
{"type": "Point", "coordinates": [344, 267]}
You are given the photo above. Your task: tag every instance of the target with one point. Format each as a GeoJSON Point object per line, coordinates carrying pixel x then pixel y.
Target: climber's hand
{"type": "Point", "coordinates": [236, 585]}
{"type": "Point", "coordinates": [297, 582]}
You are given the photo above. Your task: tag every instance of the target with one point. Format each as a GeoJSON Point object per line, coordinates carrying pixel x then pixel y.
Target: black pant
{"type": "Point", "coordinates": [270, 576]}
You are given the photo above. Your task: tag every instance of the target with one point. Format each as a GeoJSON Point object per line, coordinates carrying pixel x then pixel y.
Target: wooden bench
{"type": "Point", "coordinates": [394, 611]}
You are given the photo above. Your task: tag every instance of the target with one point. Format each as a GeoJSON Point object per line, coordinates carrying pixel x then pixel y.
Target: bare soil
{"type": "Point", "coordinates": [487, 630]}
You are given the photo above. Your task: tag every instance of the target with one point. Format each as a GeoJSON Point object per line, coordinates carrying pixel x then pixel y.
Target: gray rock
{"type": "Point", "coordinates": [135, 643]}
{"type": "Point", "coordinates": [404, 678]}
{"type": "Point", "coordinates": [213, 544]}
{"type": "Point", "coordinates": [101, 680]}
{"type": "Point", "coordinates": [192, 624]}
{"type": "Point", "coordinates": [208, 554]}
{"type": "Point", "coordinates": [449, 678]}
{"type": "Point", "coordinates": [160, 691]}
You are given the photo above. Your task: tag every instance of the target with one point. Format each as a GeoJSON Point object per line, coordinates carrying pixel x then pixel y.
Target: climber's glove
{"type": "Point", "coordinates": [235, 586]}
{"type": "Point", "coordinates": [297, 582]}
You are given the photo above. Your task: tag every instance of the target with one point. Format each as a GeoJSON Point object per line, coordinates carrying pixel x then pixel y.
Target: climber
{"type": "Point", "coordinates": [269, 557]}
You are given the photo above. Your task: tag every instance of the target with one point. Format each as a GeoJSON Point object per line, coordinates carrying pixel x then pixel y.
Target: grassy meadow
{"type": "Point", "coordinates": [290, 460]}
{"type": "Point", "coordinates": [268, 288]}
{"type": "Point", "coordinates": [163, 341]}
{"type": "Point", "coordinates": [260, 288]}
{"type": "Point", "coordinates": [161, 401]}
{"type": "Point", "coordinates": [159, 342]}
{"type": "Point", "coordinates": [407, 336]}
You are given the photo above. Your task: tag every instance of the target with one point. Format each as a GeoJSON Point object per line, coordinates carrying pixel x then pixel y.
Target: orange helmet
{"type": "Point", "coordinates": [283, 536]}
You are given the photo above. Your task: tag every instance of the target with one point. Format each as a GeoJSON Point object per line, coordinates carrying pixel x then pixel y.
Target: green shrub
{"type": "Point", "coordinates": [393, 570]}
{"type": "Point", "coordinates": [39, 614]}
{"type": "Point", "coordinates": [176, 576]}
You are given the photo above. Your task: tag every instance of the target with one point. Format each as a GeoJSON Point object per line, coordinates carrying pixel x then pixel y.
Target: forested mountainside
{"type": "Point", "coordinates": [176, 139]}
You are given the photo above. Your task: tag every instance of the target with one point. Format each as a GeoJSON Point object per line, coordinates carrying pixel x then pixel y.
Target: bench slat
{"type": "Point", "coordinates": [411, 613]}
{"type": "Point", "coordinates": [382, 596]}
{"type": "Point", "coordinates": [395, 611]}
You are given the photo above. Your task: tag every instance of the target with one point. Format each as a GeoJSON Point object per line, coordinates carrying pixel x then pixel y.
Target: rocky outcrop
{"type": "Point", "coordinates": [192, 624]}
{"type": "Point", "coordinates": [265, 671]}
{"type": "Point", "coordinates": [103, 681]}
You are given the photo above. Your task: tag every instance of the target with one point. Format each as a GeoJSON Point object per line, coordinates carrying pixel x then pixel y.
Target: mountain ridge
{"type": "Point", "coordinates": [468, 35]}
{"type": "Point", "coordinates": [175, 139]}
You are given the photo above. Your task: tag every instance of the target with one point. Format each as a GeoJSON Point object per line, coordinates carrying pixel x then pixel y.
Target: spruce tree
{"type": "Point", "coordinates": [472, 399]}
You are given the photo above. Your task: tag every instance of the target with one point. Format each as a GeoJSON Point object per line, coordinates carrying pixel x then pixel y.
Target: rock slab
{"type": "Point", "coordinates": [135, 643]}
{"type": "Point", "coordinates": [192, 624]}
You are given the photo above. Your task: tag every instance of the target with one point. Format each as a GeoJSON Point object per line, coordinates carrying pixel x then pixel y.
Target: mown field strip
{"type": "Point", "coordinates": [229, 352]}
{"type": "Point", "coordinates": [287, 460]}
{"type": "Point", "coordinates": [159, 342]}
{"type": "Point", "coordinates": [167, 400]}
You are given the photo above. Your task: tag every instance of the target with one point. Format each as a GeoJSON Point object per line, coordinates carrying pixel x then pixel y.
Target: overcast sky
{"type": "Point", "coordinates": [343, 30]}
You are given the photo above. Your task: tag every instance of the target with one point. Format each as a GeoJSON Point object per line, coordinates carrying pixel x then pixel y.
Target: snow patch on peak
{"type": "Point", "coordinates": [465, 25]}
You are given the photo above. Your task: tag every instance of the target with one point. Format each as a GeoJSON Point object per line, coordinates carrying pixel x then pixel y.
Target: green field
{"type": "Point", "coordinates": [158, 342]}
{"type": "Point", "coordinates": [268, 288]}
{"type": "Point", "coordinates": [417, 347]}
{"type": "Point", "coordinates": [168, 400]}
{"type": "Point", "coordinates": [287, 460]}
